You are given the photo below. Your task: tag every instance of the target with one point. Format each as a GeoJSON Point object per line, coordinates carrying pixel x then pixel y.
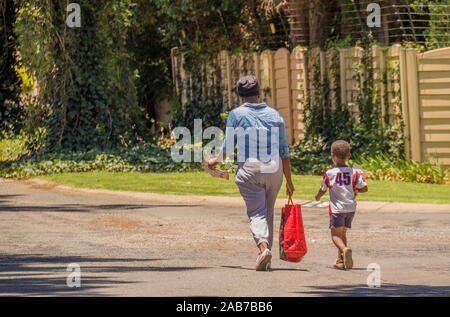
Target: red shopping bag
{"type": "Point", "coordinates": [292, 235]}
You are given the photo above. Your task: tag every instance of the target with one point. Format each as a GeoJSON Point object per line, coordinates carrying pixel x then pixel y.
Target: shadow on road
{"type": "Point", "coordinates": [384, 290]}
{"type": "Point", "coordinates": [272, 269]}
{"type": "Point", "coordinates": [6, 205]}
{"type": "Point", "coordinates": [7, 197]}
{"type": "Point", "coordinates": [37, 275]}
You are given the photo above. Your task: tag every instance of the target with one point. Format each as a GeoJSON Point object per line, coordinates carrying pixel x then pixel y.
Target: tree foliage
{"type": "Point", "coordinates": [202, 26]}
{"type": "Point", "coordinates": [436, 29]}
{"type": "Point", "coordinates": [11, 114]}
{"type": "Point", "coordinates": [149, 58]}
{"type": "Point", "coordinates": [85, 82]}
{"type": "Point", "coordinates": [98, 85]}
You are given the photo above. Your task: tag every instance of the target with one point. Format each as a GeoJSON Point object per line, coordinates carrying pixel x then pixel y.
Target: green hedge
{"type": "Point", "coordinates": [140, 158]}
{"type": "Point", "coordinates": [309, 157]}
{"type": "Point", "coordinates": [313, 157]}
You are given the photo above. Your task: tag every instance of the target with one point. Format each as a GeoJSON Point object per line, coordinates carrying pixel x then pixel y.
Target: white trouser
{"type": "Point", "coordinates": [259, 189]}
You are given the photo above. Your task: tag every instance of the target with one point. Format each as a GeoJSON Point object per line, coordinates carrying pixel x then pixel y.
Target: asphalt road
{"type": "Point", "coordinates": [128, 247]}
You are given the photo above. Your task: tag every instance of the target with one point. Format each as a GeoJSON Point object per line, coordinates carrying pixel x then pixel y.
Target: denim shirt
{"type": "Point", "coordinates": [270, 138]}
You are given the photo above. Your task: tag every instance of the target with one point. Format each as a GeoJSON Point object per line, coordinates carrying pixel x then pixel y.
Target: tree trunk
{"type": "Point", "coordinates": [322, 14]}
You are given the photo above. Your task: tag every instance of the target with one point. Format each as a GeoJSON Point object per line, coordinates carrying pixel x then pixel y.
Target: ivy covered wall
{"type": "Point", "coordinates": [10, 110]}
{"type": "Point", "coordinates": [87, 89]}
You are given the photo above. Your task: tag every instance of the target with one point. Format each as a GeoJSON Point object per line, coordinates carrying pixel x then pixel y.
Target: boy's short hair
{"type": "Point", "coordinates": [341, 149]}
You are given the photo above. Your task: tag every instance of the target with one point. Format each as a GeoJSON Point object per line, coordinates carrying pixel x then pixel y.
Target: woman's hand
{"type": "Point", "coordinates": [287, 174]}
{"type": "Point", "coordinates": [212, 163]}
{"type": "Point", "coordinates": [290, 188]}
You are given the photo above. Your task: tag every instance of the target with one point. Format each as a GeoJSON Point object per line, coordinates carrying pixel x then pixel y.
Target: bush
{"type": "Point", "coordinates": [13, 147]}
{"type": "Point", "coordinates": [21, 156]}
{"type": "Point", "coordinates": [313, 157]}
{"type": "Point", "coordinates": [382, 167]}
{"type": "Point", "coordinates": [310, 156]}
{"type": "Point", "coordinates": [139, 158]}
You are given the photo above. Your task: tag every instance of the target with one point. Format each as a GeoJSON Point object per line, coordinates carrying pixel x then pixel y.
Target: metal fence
{"type": "Point", "coordinates": [402, 21]}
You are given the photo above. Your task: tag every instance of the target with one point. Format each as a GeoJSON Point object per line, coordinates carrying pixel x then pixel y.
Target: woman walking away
{"type": "Point", "coordinates": [260, 134]}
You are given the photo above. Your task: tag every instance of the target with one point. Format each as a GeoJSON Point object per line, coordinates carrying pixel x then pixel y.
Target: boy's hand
{"type": "Point", "coordinates": [319, 195]}
{"type": "Point", "coordinates": [362, 190]}
{"type": "Point", "coordinates": [290, 188]}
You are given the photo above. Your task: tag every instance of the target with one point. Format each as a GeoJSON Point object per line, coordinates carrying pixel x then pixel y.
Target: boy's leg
{"type": "Point", "coordinates": [338, 225]}
{"type": "Point", "coordinates": [344, 239]}
{"type": "Point", "coordinates": [347, 254]}
{"type": "Point", "coordinates": [337, 238]}
{"type": "Point", "coordinates": [340, 257]}
{"type": "Point", "coordinates": [344, 236]}
{"type": "Point", "coordinates": [337, 228]}
{"type": "Point", "coordinates": [347, 225]}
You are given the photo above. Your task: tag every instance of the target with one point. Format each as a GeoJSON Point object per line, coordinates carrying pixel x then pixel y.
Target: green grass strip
{"type": "Point", "coordinates": [199, 183]}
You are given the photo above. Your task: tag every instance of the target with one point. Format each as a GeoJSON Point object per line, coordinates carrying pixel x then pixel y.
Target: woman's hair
{"type": "Point", "coordinates": [247, 86]}
{"type": "Point", "coordinates": [341, 149]}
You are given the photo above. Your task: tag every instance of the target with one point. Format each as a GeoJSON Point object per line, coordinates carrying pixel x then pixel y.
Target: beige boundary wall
{"type": "Point", "coordinates": [413, 86]}
{"type": "Point", "coordinates": [427, 99]}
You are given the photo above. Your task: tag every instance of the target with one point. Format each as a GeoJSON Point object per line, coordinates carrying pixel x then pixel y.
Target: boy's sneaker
{"type": "Point", "coordinates": [348, 261]}
{"type": "Point", "coordinates": [263, 260]}
{"type": "Point", "coordinates": [339, 264]}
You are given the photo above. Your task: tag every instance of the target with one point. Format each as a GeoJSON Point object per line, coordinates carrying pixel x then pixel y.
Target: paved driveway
{"type": "Point", "coordinates": [131, 247]}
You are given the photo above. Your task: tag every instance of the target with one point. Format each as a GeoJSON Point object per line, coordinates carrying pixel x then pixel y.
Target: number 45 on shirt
{"type": "Point", "coordinates": [343, 179]}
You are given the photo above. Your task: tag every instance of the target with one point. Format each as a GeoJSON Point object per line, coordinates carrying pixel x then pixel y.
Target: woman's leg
{"type": "Point", "coordinates": [273, 185]}
{"type": "Point", "coordinates": [255, 200]}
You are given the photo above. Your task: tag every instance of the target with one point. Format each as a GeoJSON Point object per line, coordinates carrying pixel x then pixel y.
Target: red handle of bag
{"type": "Point", "coordinates": [290, 201]}
{"type": "Point", "coordinates": [296, 217]}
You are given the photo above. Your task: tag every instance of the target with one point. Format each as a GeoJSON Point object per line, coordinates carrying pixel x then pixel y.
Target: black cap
{"type": "Point", "coordinates": [247, 86]}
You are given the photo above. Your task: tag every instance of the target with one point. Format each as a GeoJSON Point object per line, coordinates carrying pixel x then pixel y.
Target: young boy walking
{"type": "Point", "coordinates": [344, 184]}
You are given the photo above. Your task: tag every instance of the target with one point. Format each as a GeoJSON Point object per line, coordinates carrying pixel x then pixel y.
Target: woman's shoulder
{"type": "Point", "coordinates": [237, 111]}
{"type": "Point", "coordinates": [243, 110]}
{"type": "Point", "coordinates": [274, 113]}
{"type": "Point", "coordinates": [272, 110]}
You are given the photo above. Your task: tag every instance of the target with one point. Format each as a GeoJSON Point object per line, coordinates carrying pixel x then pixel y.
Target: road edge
{"type": "Point", "coordinates": [228, 201]}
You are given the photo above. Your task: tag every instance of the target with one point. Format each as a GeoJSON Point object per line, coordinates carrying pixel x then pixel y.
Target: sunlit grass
{"type": "Point", "coordinates": [199, 183]}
